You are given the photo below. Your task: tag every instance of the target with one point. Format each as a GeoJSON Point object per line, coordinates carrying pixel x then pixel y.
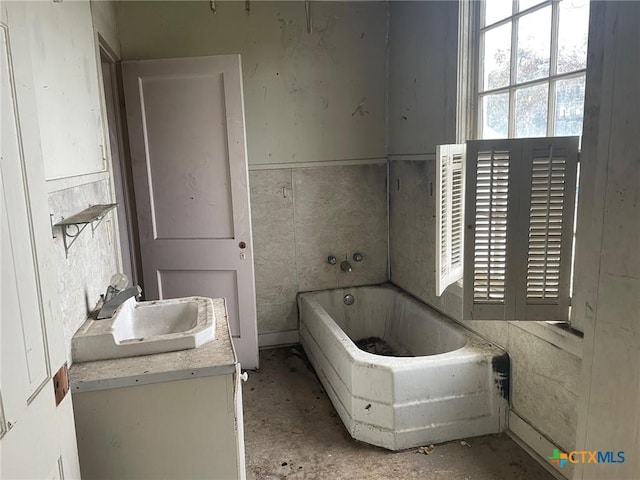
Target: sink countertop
{"type": "Point", "coordinates": [214, 358]}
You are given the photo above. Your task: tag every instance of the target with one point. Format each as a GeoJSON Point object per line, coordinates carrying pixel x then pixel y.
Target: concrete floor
{"type": "Point", "coordinates": [293, 432]}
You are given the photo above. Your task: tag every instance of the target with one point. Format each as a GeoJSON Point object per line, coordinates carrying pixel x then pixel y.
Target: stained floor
{"type": "Point", "coordinates": [293, 432]}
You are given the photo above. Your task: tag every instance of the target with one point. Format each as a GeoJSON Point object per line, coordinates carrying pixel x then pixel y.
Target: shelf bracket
{"type": "Point", "coordinates": [73, 226]}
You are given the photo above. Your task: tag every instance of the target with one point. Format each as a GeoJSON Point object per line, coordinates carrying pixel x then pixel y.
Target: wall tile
{"type": "Point", "coordinates": [85, 274]}
{"type": "Point", "coordinates": [338, 211]}
{"type": "Point", "coordinates": [545, 385]}
{"type": "Point", "coordinates": [323, 211]}
{"type": "Point", "coordinates": [412, 228]}
{"type": "Point", "coordinates": [277, 317]}
{"type": "Point", "coordinates": [274, 249]}
{"type": "Point", "coordinates": [497, 332]}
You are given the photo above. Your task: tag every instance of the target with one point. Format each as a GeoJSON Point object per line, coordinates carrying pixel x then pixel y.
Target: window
{"type": "Point", "coordinates": [505, 214]}
{"type": "Point", "coordinates": [531, 62]}
{"type": "Point", "coordinates": [523, 73]}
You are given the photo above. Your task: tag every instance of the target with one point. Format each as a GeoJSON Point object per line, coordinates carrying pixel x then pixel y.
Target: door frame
{"type": "Point", "coordinates": [120, 165]}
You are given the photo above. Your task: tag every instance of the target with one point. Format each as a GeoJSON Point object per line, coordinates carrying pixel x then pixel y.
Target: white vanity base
{"type": "Point", "coordinates": [179, 429]}
{"type": "Point", "coordinates": [169, 415]}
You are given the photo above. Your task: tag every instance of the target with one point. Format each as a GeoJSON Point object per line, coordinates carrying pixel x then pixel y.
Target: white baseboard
{"type": "Point", "coordinates": [266, 340]}
{"type": "Point", "coordinates": [536, 445]}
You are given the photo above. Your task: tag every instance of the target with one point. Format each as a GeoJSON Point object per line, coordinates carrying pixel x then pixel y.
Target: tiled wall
{"type": "Point", "coordinates": [302, 215]}
{"type": "Point", "coordinates": [274, 245]}
{"type": "Point", "coordinates": [85, 273]}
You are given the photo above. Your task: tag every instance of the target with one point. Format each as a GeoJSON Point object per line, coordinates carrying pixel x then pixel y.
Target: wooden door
{"type": "Point", "coordinates": [37, 435]}
{"type": "Point", "coordinates": [188, 151]}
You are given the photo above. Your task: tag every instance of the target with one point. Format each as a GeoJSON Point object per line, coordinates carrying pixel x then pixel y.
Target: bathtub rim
{"type": "Point", "coordinates": [474, 343]}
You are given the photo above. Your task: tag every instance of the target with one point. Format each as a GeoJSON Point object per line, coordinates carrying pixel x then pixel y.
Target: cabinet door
{"type": "Point", "coordinates": [239, 420]}
{"type": "Point", "coordinates": [175, 429]}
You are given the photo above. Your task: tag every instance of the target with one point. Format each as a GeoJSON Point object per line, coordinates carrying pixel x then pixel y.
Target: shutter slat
{"type": "Point", "coordinates": [450, 164]}
{"type": "Point", "coordinates": [490, 240]}
{"type": "Point", "coordinates": [546, 223]}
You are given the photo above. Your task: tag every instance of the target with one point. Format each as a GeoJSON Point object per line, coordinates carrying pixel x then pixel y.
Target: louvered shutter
{"type": "Point", "coordinates": [520, 198]}
{"type": "Point", "coordinates": [450, 165]}
{"type": "Point", "coordinates": [549, 210]}
{"type": "Point", "coordinates": [489, 188]}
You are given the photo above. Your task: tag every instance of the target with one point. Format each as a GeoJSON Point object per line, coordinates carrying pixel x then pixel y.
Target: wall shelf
{"type": "Point", "coordinates": [74, 225]}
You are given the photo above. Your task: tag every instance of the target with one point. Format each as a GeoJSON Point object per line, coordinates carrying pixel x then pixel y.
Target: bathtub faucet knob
{"type": "Point", "coordinates": [331, 260]}
{"type": "Point", "coordinates": [346, 267]}
{"type": "Point", "coordinates": [357, 257]}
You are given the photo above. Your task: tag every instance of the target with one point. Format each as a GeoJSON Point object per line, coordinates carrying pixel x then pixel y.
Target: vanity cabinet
{"type": "Point", "coordinates": [169, 415]}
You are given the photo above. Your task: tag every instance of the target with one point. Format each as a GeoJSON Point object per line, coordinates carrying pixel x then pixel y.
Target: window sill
{"type": "Point", "coordinates": [558, 334]}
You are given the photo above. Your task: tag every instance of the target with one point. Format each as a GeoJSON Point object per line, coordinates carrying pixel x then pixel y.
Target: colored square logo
{"type": "Point", "coordinates": [559, 458]}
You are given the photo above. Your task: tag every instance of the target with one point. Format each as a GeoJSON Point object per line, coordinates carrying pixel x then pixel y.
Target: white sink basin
{"type": "Point", "coordinates": [144, 328]}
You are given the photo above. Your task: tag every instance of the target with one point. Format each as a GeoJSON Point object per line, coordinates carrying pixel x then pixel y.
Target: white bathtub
{"type": "Point", "coordinates": [456, 385]}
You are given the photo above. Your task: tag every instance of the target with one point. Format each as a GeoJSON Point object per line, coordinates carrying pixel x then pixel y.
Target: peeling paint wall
{"type": "Point", "coordinates": [545, 377]}
{"type": "Point", "coordinates": [68, 102]}
{"type": "Point", "coordinates": [422, 81]}
{"type": "Point", "coordinates": [316, 96]}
